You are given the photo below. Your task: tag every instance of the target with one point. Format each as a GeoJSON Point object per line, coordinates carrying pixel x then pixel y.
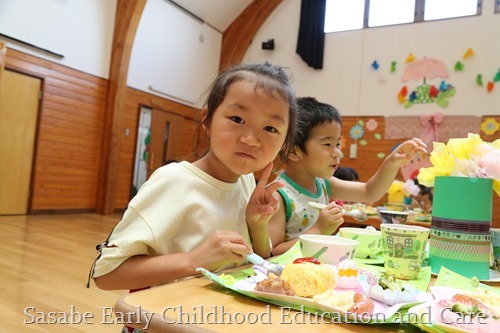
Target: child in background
{"type": "Point", "coordinates": [308, 177]}
{"type": "Point", "coordinates": [210, 212]}
{"type": "Point", "coordinates": [346, 173]}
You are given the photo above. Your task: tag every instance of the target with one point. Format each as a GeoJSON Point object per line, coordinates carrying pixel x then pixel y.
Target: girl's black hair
{"type": "Point", "coordinates": [267, 77]}
{"type": "Point", "coordinates": [313, 113]}
{"type": "Point", "coordinates": [346, 173]}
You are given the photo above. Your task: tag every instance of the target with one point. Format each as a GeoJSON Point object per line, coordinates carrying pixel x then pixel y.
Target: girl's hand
{"type": "Point", "coordinates": [329, 219]}
{"type": "Point", "coordinates": [264, 201]}
{"type": "Point", "coordinates": [406, 151]}
{"type": "Point", "coordinates": [220, 249]}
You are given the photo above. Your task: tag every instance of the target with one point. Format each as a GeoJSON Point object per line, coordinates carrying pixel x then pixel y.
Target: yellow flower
{"type": "Point", "coordinates": [460, 156]}
{"type": "Point", "coordinates": [490, 126]}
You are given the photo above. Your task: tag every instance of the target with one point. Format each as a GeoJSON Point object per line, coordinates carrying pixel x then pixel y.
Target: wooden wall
{"type": "Point", "coordinates": [367, 161]}
{"type": "Point", "coordinates": [70, 135]}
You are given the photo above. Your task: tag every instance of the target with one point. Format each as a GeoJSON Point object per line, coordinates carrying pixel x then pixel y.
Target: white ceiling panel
{"type": "Point", "coordinates": [217, 13]}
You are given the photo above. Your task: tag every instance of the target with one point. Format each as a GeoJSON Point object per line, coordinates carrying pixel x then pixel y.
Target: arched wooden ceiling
{"type": "Point", "coordinates": [235, 42]}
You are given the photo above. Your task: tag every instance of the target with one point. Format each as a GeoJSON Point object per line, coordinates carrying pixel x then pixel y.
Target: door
{"type": "Point", "coordinates": [19, 100]}
{"type": "Point", "coordinates": [166, 139]}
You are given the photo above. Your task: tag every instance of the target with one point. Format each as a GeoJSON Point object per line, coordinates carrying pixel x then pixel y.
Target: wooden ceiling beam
{"type": "Point", "coordinates": [239, 34]}
{"type": "Point", "coordinates": [128, 14]}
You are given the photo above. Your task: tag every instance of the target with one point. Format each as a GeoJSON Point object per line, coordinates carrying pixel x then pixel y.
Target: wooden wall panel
{"type": "Point", "coordinates": [69, 135]}
{"type": "Point", "coordinates": [134, 99]}
{"type": "Point", "coordinates": [367, 162]}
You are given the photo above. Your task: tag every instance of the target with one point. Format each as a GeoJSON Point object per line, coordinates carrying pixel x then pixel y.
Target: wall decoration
{"type": "Point", "coordinates": [479, 80]}
{"type": "Point", "coordinates": [402, 94]}
{"type": "Point", "coordinates": [381, 155]}
{"type": "Point", "coordinates": [490, 126]}
{"type": "Point", "coordinates": [375, 65]}
{"type": "Point", "coordinates": [393, 66]}
{"type": "Point", "coordinates": [363, 142]}
{"type": "Point", "coordinates": [356, 132]}
{"type": "Point", "coordinates": [459, 66]}
{"type": "Point", "coordinates": [343, 142]}
{"type": "Point", "coordinates": [497, 77]}
{"type": "Point", "coordinates": [410, 58]}
{"type": "Point", "coordinates": [490, 86]}
{"type": "Point", "coordinates": [371, 125]}
{"type": "Point", "coordinates": [407, 127]}
{"type": "Point", "coordinates": [430, 124]}
{"type": "Point", "coordinates": [377, 136]}
{"type": "Point", "coordinates": [468, 53]}
{"type": "Point", "coordinates": [425, 69]}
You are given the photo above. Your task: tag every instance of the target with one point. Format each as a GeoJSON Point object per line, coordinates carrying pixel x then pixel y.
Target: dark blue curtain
{"type": "Point", "coordinates": [311, 41]}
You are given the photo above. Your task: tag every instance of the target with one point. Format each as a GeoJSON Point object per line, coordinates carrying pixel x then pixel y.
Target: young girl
{"type": "Point", "coordinates": [208, 213]}
{"type": "Point", "coordinates": [308, 177]}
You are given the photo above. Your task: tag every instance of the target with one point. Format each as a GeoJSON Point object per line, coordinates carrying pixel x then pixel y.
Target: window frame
{"type": "Point", "coordinates": [418, 15]}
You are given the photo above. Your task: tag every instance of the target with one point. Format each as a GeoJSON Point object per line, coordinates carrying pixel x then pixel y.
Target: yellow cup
{"type": "Point", "coordinates": [404, 249]}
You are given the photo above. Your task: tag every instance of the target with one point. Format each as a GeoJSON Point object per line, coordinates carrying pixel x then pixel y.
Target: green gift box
{"type": "Point", "coordinates": [460, 237]}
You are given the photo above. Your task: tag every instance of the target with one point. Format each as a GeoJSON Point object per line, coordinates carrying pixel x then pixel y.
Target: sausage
{"type": "Point", "coordinates": [362, 304]}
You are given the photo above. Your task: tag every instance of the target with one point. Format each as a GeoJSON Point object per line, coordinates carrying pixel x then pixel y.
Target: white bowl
{"type": "Point", "coordinates": [370, 240]}
{"type": "Point", "coordinates": [339, 248]}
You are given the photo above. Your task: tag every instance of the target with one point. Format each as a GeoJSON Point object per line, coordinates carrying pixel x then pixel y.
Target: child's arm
{"type": "Point", "coordinates": [262, 205]}
{"type": "Point", "coordinates": [218, 250]}
{"type": "Point", "coordinates": [378, 184]}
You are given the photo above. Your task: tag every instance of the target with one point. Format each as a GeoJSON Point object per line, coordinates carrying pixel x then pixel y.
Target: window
{"type": "Point", "coordinates": [342, 15]}
{"type": "Point", "coordinates": [440, 9]}
{"type": "Point", "coordinates": [401, 11]}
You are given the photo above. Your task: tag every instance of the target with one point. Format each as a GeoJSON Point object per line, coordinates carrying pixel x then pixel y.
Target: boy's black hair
{"type": "Point", "coordinates": [313, 113]}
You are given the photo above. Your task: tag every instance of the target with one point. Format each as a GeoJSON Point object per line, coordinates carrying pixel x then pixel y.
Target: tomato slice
{"type": "Point", "coordinates": [311, 260]}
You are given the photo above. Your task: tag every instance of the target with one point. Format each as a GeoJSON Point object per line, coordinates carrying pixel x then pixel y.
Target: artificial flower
{"type": "Point", "coordinates": [464, 157]}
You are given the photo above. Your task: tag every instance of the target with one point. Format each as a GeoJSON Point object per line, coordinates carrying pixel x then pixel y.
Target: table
{"type": "Point", "coordinates": [194, 298]}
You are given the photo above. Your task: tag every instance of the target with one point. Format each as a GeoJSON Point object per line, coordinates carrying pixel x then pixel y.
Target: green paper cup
{"type": "Point", "coordinates": [460, 237]}
{"type": "Point", "coordinates": [404, 249]}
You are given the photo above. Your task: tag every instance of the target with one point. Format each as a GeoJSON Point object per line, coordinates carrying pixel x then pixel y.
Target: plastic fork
{"type": "Point", "coordinates": [271, 267]}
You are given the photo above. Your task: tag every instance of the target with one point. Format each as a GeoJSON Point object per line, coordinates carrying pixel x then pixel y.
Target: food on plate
{"type": "Point", "coordinates": [390, 282]}
{"type": "Point", "coordinates": [468, 313]}
{"type": "Point", "coordinates": [390, 291]}
{"type": "Point", "coordinates": [347, 268]}
{"type": "Point", "coordinates": [349, 301]}
{"type": "Point", "coordinates": [275, 285]}
{"type": "Point", "coordinates": [308, 279]}
{"type": "Point", "coordinates": [312, 260]}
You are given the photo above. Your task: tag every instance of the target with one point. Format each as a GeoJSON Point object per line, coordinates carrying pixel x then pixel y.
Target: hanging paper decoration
{"type": "Point", "coordinates": [425, 69]}
{"type": "Point", "coordinates": [393, 66]}
{"type": "Point", "coordinates": [459, 66]}
{"type": "Point", "coordinates": [377, 136]}
{"type": "Point", "coordinates": [490, 126]}
{"type": "Point", "coordinates": [375, 65]}
{"type": "Point", "coordinates": [479, 80]}
{"type": "Point", "coordinates": [497, 77]}
{"type": "Point", "coordinates": [468, 53]}
{"type": "Point", "coordinates": [410, 58]}
{"type": "Point", "coordinates": [381, 155]}
{"type": "Point", "coordinates": [356, 132]}
{"type": "Point", "coordinates": [490, 86]}
{"type": "Point", "coordinates": [361, 122]}
{"type": "Point", "coordinates": [402, 94]}
{"type": "Point", "coordinates": [371, 125]}
{"type": "Point", "coordinates": [363, 142]}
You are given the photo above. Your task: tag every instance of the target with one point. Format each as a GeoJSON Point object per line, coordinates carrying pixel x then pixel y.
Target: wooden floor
{"type": "Point", "coordinates": [44, 264]}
